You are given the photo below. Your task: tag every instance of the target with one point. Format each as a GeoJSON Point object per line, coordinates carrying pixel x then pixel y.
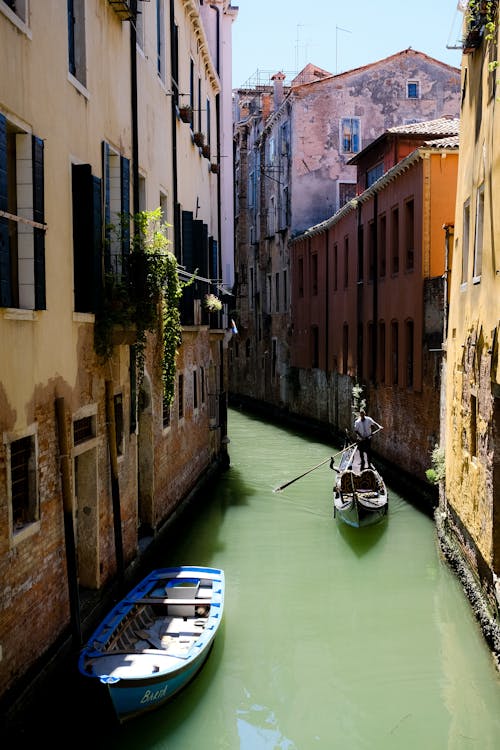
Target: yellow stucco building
{"type": "Point", "coordinates": [470, 504]}
{"type": "Point", "coordinates": [94, 128]}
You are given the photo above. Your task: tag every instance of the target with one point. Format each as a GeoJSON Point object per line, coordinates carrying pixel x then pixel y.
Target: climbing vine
{"type": "Point", "coordinates": [144, 297]}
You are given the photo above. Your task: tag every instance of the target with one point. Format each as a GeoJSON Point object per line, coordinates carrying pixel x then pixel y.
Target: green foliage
{"type": "Point", "coordinates": [481, 15]}
{"type": "Point", "coordinates": [437, 473]}
{"type": "Point", "coordinates": [144, 297]}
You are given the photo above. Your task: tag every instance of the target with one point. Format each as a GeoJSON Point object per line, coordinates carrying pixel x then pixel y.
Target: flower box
{"type": "Point", "coordinates": [199, 139]}
{"type": "Point", "coordinates": [186, 114]}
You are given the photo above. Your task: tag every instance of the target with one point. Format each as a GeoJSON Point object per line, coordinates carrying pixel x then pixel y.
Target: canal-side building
{"type": "Point", "coordinates": [470, 441]}
{"type": "Point", "coordinates": [107, 109]}
{"type": "Point", "coordinates": [294, 143]}
{"type": "Point", "coordinates": [368, 295]}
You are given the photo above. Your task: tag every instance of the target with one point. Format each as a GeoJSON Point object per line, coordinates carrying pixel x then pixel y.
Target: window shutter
{"type": "Point", "coordinates": [187, 241]}
{"type": "Point", "coordinates": [87, 238]}
{"type": "Point", "coordinates": [39, 216]}
{"type": "Point", "coordinates": [107, 210]}
{"type": "Point", "coordinates": [5, 289]}
{"type": "Point", "coordinates": [200, 248]}
{"type": "Point", "coordinates": [97, 284]}
{"type": "Point", "coordinates": [125, 203]}
{"type": "Point", "coordinates": [212, 259]}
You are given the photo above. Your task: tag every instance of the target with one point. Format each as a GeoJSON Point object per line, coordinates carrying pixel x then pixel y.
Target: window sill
{"type": "Point", "coordinates": [15, 20]}
{"type": "Point", "coordinates": [27, 531]}
{"type": "Point", "coordinates": [80, 87]}
{"type": "Point", "coordinates": [15, 313]}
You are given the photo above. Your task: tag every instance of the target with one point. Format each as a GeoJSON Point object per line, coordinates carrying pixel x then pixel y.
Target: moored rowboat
{"type": "Point", "coordinates": [157, 638]}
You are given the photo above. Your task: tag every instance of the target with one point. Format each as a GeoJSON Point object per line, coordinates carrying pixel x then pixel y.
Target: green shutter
{"type": "Point", "coordinates": [107, 210]}
{"type": "Point", "coordinates": [39, 216]}
{"type": "Point", "coordinates": [125, 202]}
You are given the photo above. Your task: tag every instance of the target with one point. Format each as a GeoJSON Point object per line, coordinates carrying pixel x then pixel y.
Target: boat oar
{"type": "Point", "coordinates": [330, 458]}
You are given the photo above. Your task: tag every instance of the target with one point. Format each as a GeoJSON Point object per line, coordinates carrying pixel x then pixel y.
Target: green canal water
{"type": "Point", "coordinates": [333, 639]}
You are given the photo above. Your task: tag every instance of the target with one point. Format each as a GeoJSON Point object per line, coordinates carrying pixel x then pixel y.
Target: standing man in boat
{"type": "Point", "coordinates": [364, 427]}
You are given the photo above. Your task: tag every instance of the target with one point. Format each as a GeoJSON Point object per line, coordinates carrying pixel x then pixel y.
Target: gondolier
{"type": "Point", "coordinates": [364, 427]}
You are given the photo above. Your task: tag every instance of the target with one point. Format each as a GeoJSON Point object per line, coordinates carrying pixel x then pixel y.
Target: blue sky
{"type": "Point", "coordinates": [272, 35]}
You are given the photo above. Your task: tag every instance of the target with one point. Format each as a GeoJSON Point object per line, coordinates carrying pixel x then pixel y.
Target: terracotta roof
{"type": "Point", "coordinates": [441, 126]}
{"type": "Point", "coordinates": [450, 142]}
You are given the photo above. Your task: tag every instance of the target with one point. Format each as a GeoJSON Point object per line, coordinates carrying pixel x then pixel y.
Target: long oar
{"type": "Point", "coordinates": [282, 486]}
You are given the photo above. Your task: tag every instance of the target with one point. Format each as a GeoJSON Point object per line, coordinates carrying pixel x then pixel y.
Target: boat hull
{"type": "Point", "coordinates": [153, 642]}
{"type": "Point", "coordinates": [359, 495]}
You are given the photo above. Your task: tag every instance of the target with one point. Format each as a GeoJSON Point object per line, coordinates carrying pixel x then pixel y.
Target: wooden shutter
{"type": "Point", "coordinates": [5, 288]}
{"type": "Point", "coordinates": [212, 259]}
{"type": "Point", "coordinates": [125, 203]}
{"type": "Point", "coordinates": [39, 216]}
{"type": "Point", "coordinates": [187, 241]}
{"type": "Point", "coordinates": [107, 209]}
{"type": "Point", "coordinates": [87, 237]}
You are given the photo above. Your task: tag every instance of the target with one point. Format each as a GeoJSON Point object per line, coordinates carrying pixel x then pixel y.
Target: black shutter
{"type": "Point", "coordinates": [39, 216]}
{"type": "Point", "coordinates": [125, 202]}
{"type": "Point", "coordinates": [97, 280]}
{"type": "Point", "coordinates": [177, 232]}
{"type": "Point", "coordinates": [187, 241]}
{"type": "Point", "coordinates": [212, 259]}
{"type": "Point", "coordinates": [5, 288]}
{"type": "Point", "coordinates": [107, 210]}
{"type": "Point", "coordinates": [200, 255]}
{"type": "Point", "coordinates": [87, 238]}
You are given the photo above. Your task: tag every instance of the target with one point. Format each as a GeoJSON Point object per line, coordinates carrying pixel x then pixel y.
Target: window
{"type": "Point", "coordinates": [478, 236]}
{"type": "Point", "coordinates": [23, 484]}
{"type": "Point", "coordinates": [160, 39]}
{"type": "Point", "coordinates": [277, 292]}
{"type": "Point", "coordinates": [314, 274]}
{"type": "Point", "coordinates": [394, 353]}
{"type": "Point", "coordinates": [269, 294]}
{"type": "Point", "coordinates": [413, 90]}
{"type": "Point", "coordinates": [76, 40]}
{"type": "Point", "coordinates": [347, 191]}
{"type": "Point", "coordinates": [372, 239]}
{"type": "Point", "coordinates": [208, 122]}
{"type": "Point", "coordinates": [301, 277]}
{"type": "Point", "coordinates": [409, 234]}
{"type": "Point", "coordinates": [381, 349]}
{"type": "Point", "coordinates": [116, 188]}
{"type": "Point", "coordinates": [285, 290]}
{"type": "Point", "coordinates": [87, 240]}
{"type": "Point", "coordinates": [465, 241]}
{"type": "Point", "coordinates": [139, 25]}
{"type": "Point", "coordinates": [22, 228]}
{"type": "Point", "coordinates": [361, 254]}
{"type": "Point", "coordinates": [202, 384]}
{"type": "Point", "coordinates": [19, 7]}
{"type": "Point", "coordinates": [191, 89]}
{"type": "Point", "coordinates": [395, 241]}
{"type": "Point", "coordinates": [349, 135]}
{"type": "Point", "coordinates": [346, 262]}
{"type": "Point", "coordinates": [371, 352]}
{"type": "Point", "coordinates": [335, 267]}
{"type": "Point", "coordinates": [274, 357]}
{"type": "Point", "coordinates": [251, 284]}
{"type": "Point", "coordinates": [382, 245]}
{"type": "Point", "coordinates": [180, 396]}
{"type": "Point", "coordinates": [409, 351]}
{"type": "Point", "coordinates": [374, 173]}
{"type": "Point", "coordinates": [174, 56]}
{"type": "Point", "coordinates": [83, 429]}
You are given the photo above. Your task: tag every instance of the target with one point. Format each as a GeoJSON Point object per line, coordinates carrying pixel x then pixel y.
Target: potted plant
{"type": "Point", "coordinates": [199, 139]}
{"type": "Point", "coordinates": [206, 151]}
{"type": "Point", "coordinates": [214, 168]}
{"type": "Point", "coordinates": [186, 113]}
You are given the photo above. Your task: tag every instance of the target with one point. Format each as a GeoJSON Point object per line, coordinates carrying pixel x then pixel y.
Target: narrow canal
{"type": "Point", "coordinates": [334, 638]}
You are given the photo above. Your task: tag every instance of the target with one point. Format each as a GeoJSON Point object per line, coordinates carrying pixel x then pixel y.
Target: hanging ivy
{"type": "Point", "coordinates": [144, 297]}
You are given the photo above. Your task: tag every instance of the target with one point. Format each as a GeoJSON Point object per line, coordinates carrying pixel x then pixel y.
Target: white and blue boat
{"type": "Point", "coordinates": [156, 639]}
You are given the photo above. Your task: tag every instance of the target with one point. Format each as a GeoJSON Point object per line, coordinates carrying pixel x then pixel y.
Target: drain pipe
{"type": "Point", "coordinates": [69, 529]}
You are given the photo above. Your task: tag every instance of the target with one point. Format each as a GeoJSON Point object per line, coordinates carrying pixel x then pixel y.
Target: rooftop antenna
{"type": "Point", "coordinates": [337, 29]}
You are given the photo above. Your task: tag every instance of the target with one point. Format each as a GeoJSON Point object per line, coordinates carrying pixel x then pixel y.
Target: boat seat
{"type": "Point", "coordinates": [346, 481]}
{"type": "Point", "coordinates": [366, 481]}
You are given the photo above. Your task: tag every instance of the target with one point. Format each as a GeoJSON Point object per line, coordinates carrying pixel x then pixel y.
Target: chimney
{"type": "Point", "coordinates": [278, 79]}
